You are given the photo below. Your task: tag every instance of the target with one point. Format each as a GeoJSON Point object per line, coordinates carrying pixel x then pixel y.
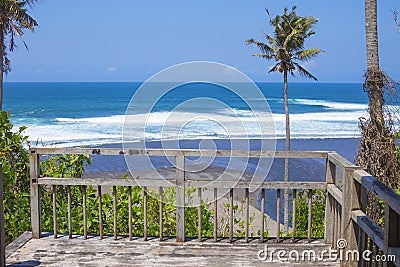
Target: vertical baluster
{"type": "Point", "coordinates": [215, 214]}
{"type": "Point", "coordinates": [247, 196]}
{"type": "Point", "coordinates": [180, 198]}
{"type": "Point", "coordinates": [54, 188]}
{"type": "Point", "coordinates": [199, 222]}
{"type": "Point", "coordinates": [130, 211]}
{"type": "Point", "coordinates": [99, 196]}
{"type": "Point", "coordinates": [262, 230]}
{"type": "Point", "coordinates": [332, 208]}
{"type": "Point", "coordinates": [231, 215]}
{"type": "Point", "coordinates": [370, 248]}
{"type": "Point", "coordinates": [69, 212]}
{"type": "Point", "coordinates": [84, 211]}
{"type": "Point", "coordinates": [161, 213]}
{"type": "Point", "coordinates": [294, 212]}
{"type": "Point", "coordinates": [339, 221]}
{"type": "Point", "coordinates": [145, 213]}
{"type": "Point", "coordinates": [278, 215]}
{"type": "Point", "coordinates": [114, 194]}
{"type": "Point", "coordinates": [309, 234]}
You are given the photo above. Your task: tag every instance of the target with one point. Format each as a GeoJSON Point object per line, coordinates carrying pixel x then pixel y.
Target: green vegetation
{"type": "Point", "coordinates": [15, 162]}
{"type": "Point", "coordinates": [318, 214]}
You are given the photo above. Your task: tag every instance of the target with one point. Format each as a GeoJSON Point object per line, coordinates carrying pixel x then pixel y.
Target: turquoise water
{"type": "Point", "coordinates": [93, 113]}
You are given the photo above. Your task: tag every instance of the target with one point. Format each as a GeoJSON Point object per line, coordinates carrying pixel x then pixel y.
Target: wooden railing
{"type": "Point", "coordinates": [346, 189]}
{"type": "Point", "coordinates": [346, 218]}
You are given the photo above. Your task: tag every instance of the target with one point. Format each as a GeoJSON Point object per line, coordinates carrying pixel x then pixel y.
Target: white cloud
{"type": "Point", "coordinates": [111, 69]}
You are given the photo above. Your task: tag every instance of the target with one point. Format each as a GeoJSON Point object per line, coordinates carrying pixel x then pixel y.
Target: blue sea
{"type": "Point", "coordinates": [88, 113]}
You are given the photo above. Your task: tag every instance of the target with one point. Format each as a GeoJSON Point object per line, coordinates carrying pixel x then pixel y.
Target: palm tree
{"type": "Point", "coordinates": [14, 19]}
{"type": "Point", "coordinates": [374, 84]}
{"type": "Point", "coordinates": [286, 47]}
{"type": "Point", "coordinates": [377, 151]}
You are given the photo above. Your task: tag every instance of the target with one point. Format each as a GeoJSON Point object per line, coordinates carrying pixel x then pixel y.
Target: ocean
{"type": "Point", "coordinates": [324, 116]}
{"type": "Point", "coordinates": [89, 113]}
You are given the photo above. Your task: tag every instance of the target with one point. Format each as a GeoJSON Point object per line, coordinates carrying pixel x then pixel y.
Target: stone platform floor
{"type": "Point", "coordinates": [62, 251]}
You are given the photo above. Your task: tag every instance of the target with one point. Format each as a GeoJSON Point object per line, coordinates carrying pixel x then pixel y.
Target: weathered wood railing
{"type": "Point", "coordinates": [346, 219]}
{"type": "Point", "coordinates": [346, 188]}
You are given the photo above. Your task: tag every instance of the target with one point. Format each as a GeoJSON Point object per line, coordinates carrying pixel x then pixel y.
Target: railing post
{"type": "Point", "coordinates": [2, 233]}
{"type": "Point", "coordinates": [351, 201]}
{"type": "Point", "coordinates": [391, 232]}
{"type": "Point", "coordinates": [329, 218]}
{"type": "Point", "coordinates": [180, 199]}
{"type": "Point", "coordinates": [35, 193]}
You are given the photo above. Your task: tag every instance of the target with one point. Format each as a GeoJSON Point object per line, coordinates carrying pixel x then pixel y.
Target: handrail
{"type": "Point", "coordinates": [347, 206]}
{"type": "Point", "coordinates": [182, 152]}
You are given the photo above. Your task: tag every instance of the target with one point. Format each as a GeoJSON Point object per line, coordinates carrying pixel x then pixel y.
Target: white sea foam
{"type": "Point", "coordinates": [235, 123]}
{"type": "Point", "coordinates": [329, 104]}
{"type": "Point", "coordinates": [109, 119]}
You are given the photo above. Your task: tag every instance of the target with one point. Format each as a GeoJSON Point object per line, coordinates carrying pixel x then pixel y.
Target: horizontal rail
{"type": "Point", "coordinates": [335, 192]}
{"type": "Point", "coordinates": [190, 183]}
{"type": "Point", "coordinates": [183, 152]}
{"type": "Point", "coordinates": [339, 160]}
{"type": "Point", "coordinates": [379, 189]}
{"type": "Point", "coordinates": [373, 230]}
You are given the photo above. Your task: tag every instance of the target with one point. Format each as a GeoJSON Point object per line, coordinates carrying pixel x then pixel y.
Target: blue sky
{"type": "Point", "coordinates": [131, 40]}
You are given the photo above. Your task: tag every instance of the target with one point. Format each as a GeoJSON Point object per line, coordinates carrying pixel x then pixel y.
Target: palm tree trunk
{"type": "Point", "coordinates": [287, 148]}
{"type": "Point", "coordinates": [373, 81]}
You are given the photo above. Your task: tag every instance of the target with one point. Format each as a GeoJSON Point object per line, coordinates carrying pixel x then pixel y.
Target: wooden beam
{"type": "Point", "coordinates": [373, 230]}
{"type": "Point", "coordinates": [339, 160]}
{"type": "Point", "coordinates": [391, 232]}
{"type": "Point", "coordinates": [106, 182]}
{"type": "Point", "coordinates": [335, 192]}
{"type": "Point", "coordinates": [180, 199]}
{"type": "Point", "coordinates": [379, 189]}
{"type": "Point", "coordinates": [183, 152]}
{"type": "Point", "coordinates": [189, 183]}
{"type": "Point", "coordinates": [35, 194]}
{"type": "Point", "coordinates": [266, 185]}
{"type": "Point", "coordinates": [330, 178]}
{"type": "Point", "coordinates": [349, 203]}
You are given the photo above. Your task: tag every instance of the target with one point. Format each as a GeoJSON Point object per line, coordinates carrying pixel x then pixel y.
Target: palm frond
{"type": "Point", "coordinates": [308, 53]}
{"type": "Point", "coordinates": [303, 72]}
{"type": "Point", "coordinates": [277, 67]}
{"type": "Point", "coordinates": [265, 48]}
{"type": "Point", "coordinates": [266, 56]}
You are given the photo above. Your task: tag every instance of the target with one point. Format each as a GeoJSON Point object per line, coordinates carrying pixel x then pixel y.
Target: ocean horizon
{"type": "Point", "coordinates": [93, 113]}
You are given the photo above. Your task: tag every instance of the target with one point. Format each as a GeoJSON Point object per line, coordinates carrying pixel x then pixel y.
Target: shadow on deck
{"type": "Point", "coordinates": [63, 251]}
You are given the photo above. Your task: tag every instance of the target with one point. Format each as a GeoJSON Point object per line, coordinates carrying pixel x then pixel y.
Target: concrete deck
{"type": "Point", "coordinates": [62, 251]}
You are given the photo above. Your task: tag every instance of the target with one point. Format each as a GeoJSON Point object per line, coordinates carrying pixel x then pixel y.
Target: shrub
{"type": "Point", "coordinates": [15, 162]}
